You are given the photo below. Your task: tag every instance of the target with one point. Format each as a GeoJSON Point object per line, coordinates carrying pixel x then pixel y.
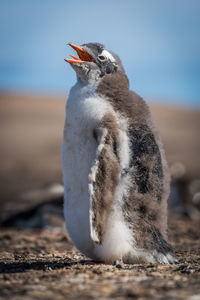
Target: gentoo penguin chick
{"type": "Point", "coordinates": [116, 178]}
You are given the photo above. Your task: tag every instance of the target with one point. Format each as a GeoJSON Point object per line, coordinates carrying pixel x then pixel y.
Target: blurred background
{"type": "Point", "coordinates": [159, 45]}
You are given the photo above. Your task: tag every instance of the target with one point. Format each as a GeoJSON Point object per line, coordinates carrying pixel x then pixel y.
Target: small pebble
{"type": "Point", "coordinates": [118, 266]}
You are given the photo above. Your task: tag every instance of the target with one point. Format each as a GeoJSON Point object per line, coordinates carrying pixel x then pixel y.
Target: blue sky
{"type": "Point", "coordinates": [158, 42]}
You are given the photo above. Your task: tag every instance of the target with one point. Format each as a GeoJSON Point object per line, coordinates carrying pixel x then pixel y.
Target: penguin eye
{"type": "Point", "coordinates": [101, 57]}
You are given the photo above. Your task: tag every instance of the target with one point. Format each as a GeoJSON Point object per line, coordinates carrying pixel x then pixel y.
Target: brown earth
{"type": "Point", "coordinates": [44, 265]}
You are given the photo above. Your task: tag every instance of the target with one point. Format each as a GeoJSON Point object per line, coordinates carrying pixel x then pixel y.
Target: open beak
{"type": "Point", "coordinates": [83, 55]}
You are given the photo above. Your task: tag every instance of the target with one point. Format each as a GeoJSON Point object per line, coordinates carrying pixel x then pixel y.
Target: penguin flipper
{"type": "Point", "coordinates": [103, 178]}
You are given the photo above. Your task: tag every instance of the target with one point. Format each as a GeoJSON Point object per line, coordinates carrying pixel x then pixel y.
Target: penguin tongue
{"type": "Point", "coordinates": [83, 55]}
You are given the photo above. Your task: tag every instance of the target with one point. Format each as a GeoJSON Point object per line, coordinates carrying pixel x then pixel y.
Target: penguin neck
{"type": "Point", "coordinates": [91, 81]}
{"type": "Point", "coordinates": [113, 86]}
{"type": "Point", "coordinates": [86, 86]}
{"type": "Point", "coordinates": [82, 89]}
{"type": "Point", "coordinates": [113, 83]}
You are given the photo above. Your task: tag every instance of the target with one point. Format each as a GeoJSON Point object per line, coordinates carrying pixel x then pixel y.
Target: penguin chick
{"type": "Point", "coordinates": [116, 177]}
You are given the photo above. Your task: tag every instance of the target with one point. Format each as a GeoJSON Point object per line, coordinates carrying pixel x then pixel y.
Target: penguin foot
{"type": "Point", "coordinates": [168, 258]}
{"type": "Point", "coordinates": [150, 257]}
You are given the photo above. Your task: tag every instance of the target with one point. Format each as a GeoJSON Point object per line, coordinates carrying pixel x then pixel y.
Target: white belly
{"type": "Point", "coordinates": [83, 113]}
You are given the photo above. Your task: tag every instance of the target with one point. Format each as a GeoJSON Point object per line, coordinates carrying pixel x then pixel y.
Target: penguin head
{"type": "Point", "coordinates": [93, 62]}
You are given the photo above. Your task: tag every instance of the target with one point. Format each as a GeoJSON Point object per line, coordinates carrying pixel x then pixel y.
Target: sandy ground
{"type": "Point", "coordinates": [44, 265]}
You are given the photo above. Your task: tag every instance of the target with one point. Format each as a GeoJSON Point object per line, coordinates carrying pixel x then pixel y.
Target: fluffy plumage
{"type": "Point", "coordinates": [115, 172]}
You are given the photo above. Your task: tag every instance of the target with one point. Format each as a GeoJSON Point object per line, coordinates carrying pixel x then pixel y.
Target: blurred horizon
{"type": "Point", "coordinates": [158, 43]}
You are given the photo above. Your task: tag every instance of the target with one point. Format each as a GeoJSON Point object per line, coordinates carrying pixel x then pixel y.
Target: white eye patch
{"type": "Point", "coordinates": [108, 55]}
